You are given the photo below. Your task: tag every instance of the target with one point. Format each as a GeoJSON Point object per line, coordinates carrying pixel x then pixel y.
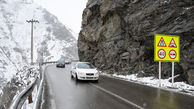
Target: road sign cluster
{"type": "Point", "coordinates": [166, 48]}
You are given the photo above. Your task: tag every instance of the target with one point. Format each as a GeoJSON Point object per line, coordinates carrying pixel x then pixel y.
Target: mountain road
{"type": "Point", "coordinates": [63, 92]}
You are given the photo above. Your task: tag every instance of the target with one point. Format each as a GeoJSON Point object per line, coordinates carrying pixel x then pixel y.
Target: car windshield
{"type": "Point", "coordinates": [85, 66]}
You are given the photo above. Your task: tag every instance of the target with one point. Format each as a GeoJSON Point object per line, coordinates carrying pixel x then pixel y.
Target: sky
{"type": "Point", "coordinates": [69, 12]}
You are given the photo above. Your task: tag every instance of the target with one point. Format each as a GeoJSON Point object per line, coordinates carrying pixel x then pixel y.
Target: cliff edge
{"type": "Point", "coordinates": [117, 36]}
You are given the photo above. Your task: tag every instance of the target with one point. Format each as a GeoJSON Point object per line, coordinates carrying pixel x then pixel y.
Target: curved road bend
{"type": "Point", "coordinates": [62, 92]}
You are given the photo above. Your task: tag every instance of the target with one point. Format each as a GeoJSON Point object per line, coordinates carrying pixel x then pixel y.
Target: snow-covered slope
{"type": "Point", "coordinates": [51, 38]}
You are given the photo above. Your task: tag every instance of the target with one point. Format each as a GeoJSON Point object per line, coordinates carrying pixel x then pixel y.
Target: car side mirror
{"type": "Point", "coordinates": [73, 67]}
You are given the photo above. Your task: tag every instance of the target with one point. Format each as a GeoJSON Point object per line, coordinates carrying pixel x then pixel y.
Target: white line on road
{"type": "Point", "coordinates": [117, 96]}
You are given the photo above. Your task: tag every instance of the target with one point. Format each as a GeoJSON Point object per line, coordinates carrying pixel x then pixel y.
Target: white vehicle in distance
{"type": "Point", "coordinates": [84, 71]}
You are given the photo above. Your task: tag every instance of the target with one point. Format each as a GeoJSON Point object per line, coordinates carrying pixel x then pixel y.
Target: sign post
{"type": "Point", "coordinates": [159, 73]}
{"type": "Point", "coordinates": [166, 49]}
{"type": "Point", "coordinates": [172, 73]}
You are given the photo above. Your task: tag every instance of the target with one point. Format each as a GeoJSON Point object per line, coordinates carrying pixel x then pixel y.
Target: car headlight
{"type": "Point", "coordinates": [80, 73]}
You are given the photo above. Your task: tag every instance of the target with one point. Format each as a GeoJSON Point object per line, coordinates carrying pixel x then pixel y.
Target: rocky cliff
{"type": "Point", "coordinates": [117, 36]}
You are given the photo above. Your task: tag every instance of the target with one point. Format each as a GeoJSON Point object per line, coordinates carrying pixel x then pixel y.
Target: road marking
{"type": "Point", "coordinates": [117, 96]}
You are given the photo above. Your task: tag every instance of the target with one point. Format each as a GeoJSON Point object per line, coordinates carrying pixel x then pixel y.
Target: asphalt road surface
{"type": "Point", "coordinates": [62, 92]}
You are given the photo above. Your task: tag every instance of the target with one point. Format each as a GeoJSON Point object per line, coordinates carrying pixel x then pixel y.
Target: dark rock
{"type": "Point", "coordinates": [192, 82]}
{"type": "Point", "coordinates": [190, 76]}
{"type": "Point", "coordinates": [125, 55]}
{"type": "Point", "coordinates": [117, 36]}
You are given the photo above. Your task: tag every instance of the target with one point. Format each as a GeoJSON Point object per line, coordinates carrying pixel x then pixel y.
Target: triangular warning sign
{"type": "Point", "coordinates": [161, 43]}
{"type": "Point", "coordinates": [172, 44]}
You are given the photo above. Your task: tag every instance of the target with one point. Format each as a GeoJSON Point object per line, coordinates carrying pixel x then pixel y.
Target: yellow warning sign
{"type": "Point", "coordinates": [166, 48]}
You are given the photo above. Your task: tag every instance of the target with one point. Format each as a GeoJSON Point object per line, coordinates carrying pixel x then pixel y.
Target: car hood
{"type": "Point", "coordinates": [87, 70]}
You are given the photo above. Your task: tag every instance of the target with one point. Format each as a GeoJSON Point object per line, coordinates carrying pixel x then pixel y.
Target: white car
{"type": "Point", "coordinates": [84, 71]}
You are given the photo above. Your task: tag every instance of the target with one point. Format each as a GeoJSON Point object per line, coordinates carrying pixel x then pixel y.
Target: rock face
{"type": "Point", "coordinates": [117, 36]}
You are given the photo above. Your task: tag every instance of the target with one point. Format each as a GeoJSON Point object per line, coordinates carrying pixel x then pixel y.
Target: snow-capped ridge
{"type": "Point", "coordinates": [52, 39]}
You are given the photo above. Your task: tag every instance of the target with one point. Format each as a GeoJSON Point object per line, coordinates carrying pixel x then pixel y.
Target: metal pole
{"type": "Point", "coordinates": [32, 44]}
{"type": "Point", "coordinates": [172, 73]}
{"type": "Point", "coordinates": [32, 22]}
{"type": "Point", "coordinates": [159, 73]}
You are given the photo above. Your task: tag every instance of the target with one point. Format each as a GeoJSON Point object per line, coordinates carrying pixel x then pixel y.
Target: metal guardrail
{"type": "Point", "coordinates": [40, 89]}
{"type": "Point", "coordinates": [20, 99]}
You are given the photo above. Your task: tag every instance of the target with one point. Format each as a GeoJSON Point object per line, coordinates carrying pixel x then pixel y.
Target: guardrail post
{"type": "Point", "coordinates": [30, 96]}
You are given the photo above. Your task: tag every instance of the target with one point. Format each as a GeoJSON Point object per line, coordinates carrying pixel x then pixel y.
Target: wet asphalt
{"type": "Point", "coordinates": [63, 92]}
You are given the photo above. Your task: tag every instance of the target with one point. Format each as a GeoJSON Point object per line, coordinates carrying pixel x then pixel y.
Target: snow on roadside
{"type": "Point", "coordinates": [180, 87]}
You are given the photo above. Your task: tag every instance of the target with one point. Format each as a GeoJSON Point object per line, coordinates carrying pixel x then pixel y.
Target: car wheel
{"type": "Point", "coordinates": [76, 78]}
{"type": "Point", "coordinates": [71, 75]}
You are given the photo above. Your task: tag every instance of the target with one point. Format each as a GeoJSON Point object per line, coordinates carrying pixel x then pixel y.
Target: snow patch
{"type": "Point", "coordinates": [154, 82]}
